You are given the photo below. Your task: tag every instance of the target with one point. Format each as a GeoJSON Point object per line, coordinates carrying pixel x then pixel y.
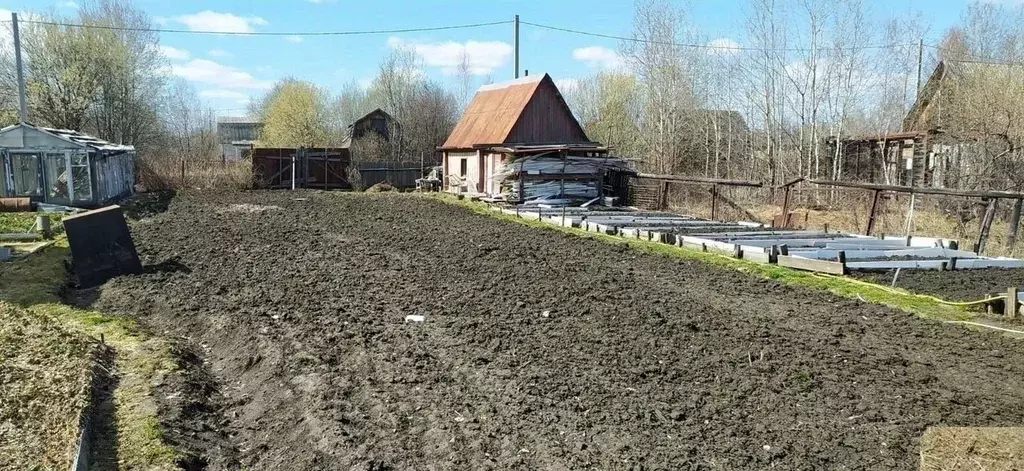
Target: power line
{"type": "Point", "coordinates": [267, 33]}
{"type": "Point", "coordinates": [700, 46]}
{"type": "Point", "coordinates": [968, 58]}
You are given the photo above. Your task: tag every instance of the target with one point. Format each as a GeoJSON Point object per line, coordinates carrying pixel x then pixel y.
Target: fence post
{"type": "Point", "coordinates": [1010, 306]}
{"type": "Point", "coordinates": [874, 212]}
{"type": "Point", "coordinates": [1014, 223]}
{"type": "Point", "coordinates": [714, 201]}
{"type": "Point", "coordinates": [183, 174]}
{"type": "Point", "coordinates": [986, 224]}
{"type": "Point", "coordinates": [663, 200]}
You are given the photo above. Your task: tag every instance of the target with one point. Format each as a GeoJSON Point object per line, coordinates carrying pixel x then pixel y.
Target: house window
{"type": "Point", "coordinates": [462, 166]}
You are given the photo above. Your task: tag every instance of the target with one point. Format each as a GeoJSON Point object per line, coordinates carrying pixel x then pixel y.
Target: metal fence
{"type": "Point", "coordinates": [398, 174]}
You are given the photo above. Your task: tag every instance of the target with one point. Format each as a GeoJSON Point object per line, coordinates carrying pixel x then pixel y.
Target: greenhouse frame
{"type": "Point", "coordinates": [38, 160]}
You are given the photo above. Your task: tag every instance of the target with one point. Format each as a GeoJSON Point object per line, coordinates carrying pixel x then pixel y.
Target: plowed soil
{"type": "Point", "coordinates": [539, 350]}
{"type": "Point", "coordinates": [959, 285]}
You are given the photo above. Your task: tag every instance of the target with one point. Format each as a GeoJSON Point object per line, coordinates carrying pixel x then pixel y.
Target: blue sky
{"type": "Point", "coordinates": [228, 69]}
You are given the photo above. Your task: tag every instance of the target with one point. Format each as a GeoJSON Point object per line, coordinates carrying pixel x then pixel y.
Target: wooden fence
{"type": "Point", "coordinates": [325, 168]}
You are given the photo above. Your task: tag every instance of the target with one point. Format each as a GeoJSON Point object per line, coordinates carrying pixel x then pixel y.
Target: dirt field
{"type": "Point", "coordinates": [959, 285]}
{"type": "Point", "coordinates": [539, 350]}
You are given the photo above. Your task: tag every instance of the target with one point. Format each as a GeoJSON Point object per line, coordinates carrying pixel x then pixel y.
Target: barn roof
{"type": "Point", "coordinates": [495, 110]}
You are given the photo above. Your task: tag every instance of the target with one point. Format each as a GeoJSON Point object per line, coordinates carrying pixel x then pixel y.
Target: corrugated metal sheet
{"type": "Point", "coordinates": [509, 113]}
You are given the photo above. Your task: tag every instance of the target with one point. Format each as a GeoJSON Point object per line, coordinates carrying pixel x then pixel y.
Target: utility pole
{"type": "Point", "coordinates": [23, 101]}
{"type": "Point", "coordinates": [515, 40]}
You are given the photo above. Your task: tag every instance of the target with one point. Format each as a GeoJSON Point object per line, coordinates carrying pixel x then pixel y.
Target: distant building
{"type": "Point", "coordinates": [933, 148]}
{"type": "Point", "coordinates": [376, 122]}
{"type": "Point", "coordinates": [237, 135]}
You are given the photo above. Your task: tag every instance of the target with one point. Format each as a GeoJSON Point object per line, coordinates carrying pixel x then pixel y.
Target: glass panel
{"type": "Point", "coordinates": [56, 167]}
{"type": "Point", "coordinates": [3, 175]}
{"type": "Point", "coordinates": [83, 187]}
{"type": "Point", "coordinates": [81, 174]}
{"type": "Point", "coordinates": [25, 168]}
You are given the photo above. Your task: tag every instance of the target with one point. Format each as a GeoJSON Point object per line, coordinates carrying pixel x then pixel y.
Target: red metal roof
{"type": "Point", "coordinates": [491, 117]}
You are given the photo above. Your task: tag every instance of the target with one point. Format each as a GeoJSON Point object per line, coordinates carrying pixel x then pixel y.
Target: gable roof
{"type": "Point", "coordinates": [496, 109]}
{"type": "Point", "coordinates": [373, 113]}
{"type": "Point", "coordinates": [959, 70]}
{"type": "Point", "coordinates": [925, 97]}
{"type": "Point", "coordinates": [69, 136]}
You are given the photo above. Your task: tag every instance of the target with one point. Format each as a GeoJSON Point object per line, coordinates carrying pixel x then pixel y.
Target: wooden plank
{"type": "Point", "coordinates": [15, 204]}
{"type": "Point", "coordinates": [1010, 306]}
{"type": "Point", "coordinates": [930, 252]}
{"type": "Point", "coordinates": [1014, 228]}
{"type": "Point", "coordinates": [986, 225]}
{"type": "Point", "coordinates": [714, 202]}
{"type": "Point", "coordinates": [821, 266]}
{"type": "Point", "coordinates": [755, 256]}
{"type": "Point", "coordinates": [692, 179]}
{"type": "Point", "coordinates": [873, 215]}
{"type": "Point", "coordinates": [920, 190]}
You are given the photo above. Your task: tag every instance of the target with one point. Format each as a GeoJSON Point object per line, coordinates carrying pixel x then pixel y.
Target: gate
{"type": "Point", "coordinates": [324, 168]}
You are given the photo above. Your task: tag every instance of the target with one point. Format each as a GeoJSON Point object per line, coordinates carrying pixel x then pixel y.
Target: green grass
{"type": "Point", "coordinates": [45, 384]}
{"type": "Point", "coordinates": [922, 306]}
{"type": "Point", "coordinates": [34, 283]}
{"type": "Point", "coordinates": [23, 222]}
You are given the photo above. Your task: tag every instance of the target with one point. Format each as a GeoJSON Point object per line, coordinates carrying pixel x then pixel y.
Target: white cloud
{"type": "Point", "coordinates": [174, 53]}
{"type": "Point", "coordinates": [221, 76]}
{"type": "Point", "coordinates": [482, 56]}
{"type": "Point", "coordinates": [723, 46]}
{"type": "Point", "coordinates": [221, 94]}
{"type": "Point", "coordinates": [161, 20]}
{"type": "Point", "coordinates": [598, 57]}
{"type": "Point", "coordinates": [293, 39]}
{"type": "Point", "coordinates": [67, 5]}
{"type": "Point", "coordinates": [219, 53]}
{"type": "Point", "coordinates": [221, 22]}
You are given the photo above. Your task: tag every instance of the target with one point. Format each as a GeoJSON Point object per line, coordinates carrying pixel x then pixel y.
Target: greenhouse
{"type": "Point", "coordinates": [37, 163]}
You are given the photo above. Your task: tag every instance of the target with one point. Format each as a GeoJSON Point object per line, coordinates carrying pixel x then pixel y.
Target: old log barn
{"type": "Point", "coordinates": [519, 140]}
{"type": "Point", "coordinates": [946, 136]}
{"type": "Point", "coordinates": [60, 166]}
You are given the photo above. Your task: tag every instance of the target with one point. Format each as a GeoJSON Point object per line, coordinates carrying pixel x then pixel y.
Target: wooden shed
{"type": "Point", "coordinates": [61, 166]}
{"type": "Point", "coordinates": [529, 111]}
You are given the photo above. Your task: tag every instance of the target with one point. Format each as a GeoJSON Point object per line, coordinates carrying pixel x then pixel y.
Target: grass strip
{"type": "Point", "coordinates": [45, 385]}
{"type": "Point", "coordinates": [898, 299]}
{"type": "Point", "coordinates": [34, 283]}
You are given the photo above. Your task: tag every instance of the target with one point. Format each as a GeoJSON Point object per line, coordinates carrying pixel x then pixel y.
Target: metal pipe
{"type": "Point", "coordinates": [515, 40]}
{"type": "Point", "coordinates": [22, 99]}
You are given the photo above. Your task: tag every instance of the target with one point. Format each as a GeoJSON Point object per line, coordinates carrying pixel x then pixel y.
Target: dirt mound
{"type": "Point", "coordinates": [640, 362]}
{"type": "Point", "coordinates": [381, 187]}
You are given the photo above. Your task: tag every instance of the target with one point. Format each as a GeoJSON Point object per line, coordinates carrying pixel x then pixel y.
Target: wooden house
{"type": "Point", "coordinates": [509, 116]}
{"type": "Point", "coordinates": [237, 135]}
{"type": "Point", "coordinates": [939, 140]}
